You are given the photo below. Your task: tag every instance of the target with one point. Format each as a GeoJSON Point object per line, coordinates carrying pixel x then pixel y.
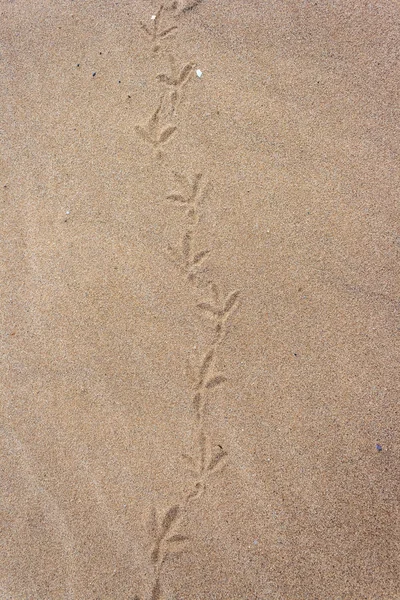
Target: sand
{"type": "Point", "coordinates": [199, 300]}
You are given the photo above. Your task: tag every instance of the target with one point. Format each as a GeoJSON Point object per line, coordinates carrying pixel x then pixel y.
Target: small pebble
{"type": "Point", "coordinates": [93, 74]}
{"type": "Point", "coordinates": [67, 213]}
{"type": "Point", "coordinates": [153, 17]}
{"type": "Point", "coordinates": [379, 447]}
{"type": "Point", "coordinates": [199, 73]}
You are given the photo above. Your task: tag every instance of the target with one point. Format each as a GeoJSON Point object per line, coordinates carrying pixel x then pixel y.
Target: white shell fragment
{"type": "Point", "coordinates": [199, 73]}
{"type": "Point", "coordinates": [153, 17]}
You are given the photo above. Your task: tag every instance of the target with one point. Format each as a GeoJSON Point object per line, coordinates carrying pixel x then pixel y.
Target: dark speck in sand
{"type": "Point", "coordinates": [93, 74]}
{"type": "Point", "coordinates": [379, 447]}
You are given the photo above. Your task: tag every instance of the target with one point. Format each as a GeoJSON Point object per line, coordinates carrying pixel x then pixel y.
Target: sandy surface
{"type": "Point", "coordinates": [199, 300]}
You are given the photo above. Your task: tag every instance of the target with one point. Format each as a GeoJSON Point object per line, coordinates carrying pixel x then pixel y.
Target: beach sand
{"type": "Point", "coordinates": [200, 299]}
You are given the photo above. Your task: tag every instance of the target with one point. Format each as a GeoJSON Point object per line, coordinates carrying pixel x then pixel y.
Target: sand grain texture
{"type": "Point", "coordinates": [199, 300]}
